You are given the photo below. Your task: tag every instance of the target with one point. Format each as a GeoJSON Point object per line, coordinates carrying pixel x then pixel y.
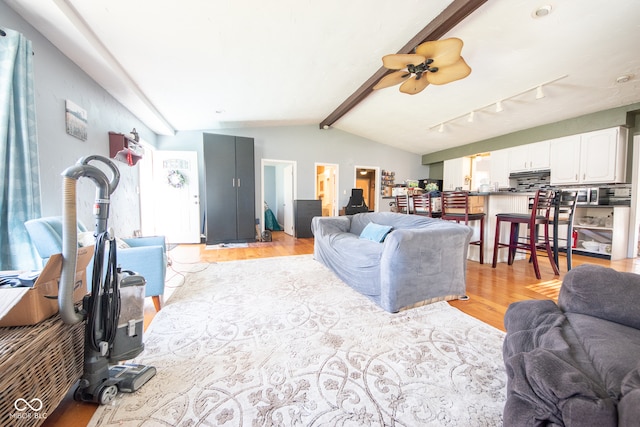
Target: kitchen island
{"type": "Point", "coordinates": [496, 202]}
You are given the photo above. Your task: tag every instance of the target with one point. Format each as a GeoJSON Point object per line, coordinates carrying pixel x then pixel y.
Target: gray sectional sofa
{"type": "Point", "coordinates": [576, 363]}
{"type": "Point", "coordinates": [420, 260]}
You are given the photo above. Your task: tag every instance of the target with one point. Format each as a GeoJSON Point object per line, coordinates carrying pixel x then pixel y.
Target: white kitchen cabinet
{"type": "Point", "coordinates": [500, 167]}
{"type": "Point", "coordinates": [597, 157]}
{"type": "Point", "coordinates": [456, 173]}
{"type": "Point", "coordinates": [529, 157]}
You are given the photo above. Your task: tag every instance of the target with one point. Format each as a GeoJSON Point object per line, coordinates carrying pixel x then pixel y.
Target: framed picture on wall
{"type": "Point", "coordinates": [76, 120]}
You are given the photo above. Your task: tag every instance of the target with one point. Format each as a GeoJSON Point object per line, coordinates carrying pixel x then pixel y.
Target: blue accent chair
{"type": "Point", "coordinates": [145, 255]}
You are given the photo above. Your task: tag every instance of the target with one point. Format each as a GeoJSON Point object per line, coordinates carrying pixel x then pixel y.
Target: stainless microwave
{"type": "Point", "coordinates": [586, 195]}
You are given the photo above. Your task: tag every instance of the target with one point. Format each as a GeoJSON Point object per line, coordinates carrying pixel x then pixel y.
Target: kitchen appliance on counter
{"type": "Point", "coordinates": [619, 195]}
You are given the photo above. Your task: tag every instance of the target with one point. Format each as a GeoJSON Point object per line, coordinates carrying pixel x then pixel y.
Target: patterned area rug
{"type": "Point", "coordinates": [283, 342]}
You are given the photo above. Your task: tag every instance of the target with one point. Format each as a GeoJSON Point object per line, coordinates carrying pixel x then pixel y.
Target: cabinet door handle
{"type": "Point", "coordinates": [233, 182]}
{"type": "Point", "coordinates": [238, 182]}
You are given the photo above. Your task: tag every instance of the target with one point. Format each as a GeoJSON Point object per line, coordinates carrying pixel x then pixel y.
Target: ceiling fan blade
{"type": "Point", "coordinates": [400, 61]}
{"type": "Point", "coordinates": [443, 52]}
{"type": "Point", "coordinates": [414, 85]}
{"type": "Point", "coordinates": [392, 79]}
{"type": "Point", "coordinates": [450, 73]}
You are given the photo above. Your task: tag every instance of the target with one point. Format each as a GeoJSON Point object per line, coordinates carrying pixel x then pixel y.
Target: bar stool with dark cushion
{"type": "Point", "coordinates": [402, 204]}
{"type": "Point", "coordinates": [543, 203]}
{"type": "Point", "coordinates": [455, 207]}
{"type": "Point", "coordinates": [565, 206]}
{"type": "Point", "coordinates": [422, 205]}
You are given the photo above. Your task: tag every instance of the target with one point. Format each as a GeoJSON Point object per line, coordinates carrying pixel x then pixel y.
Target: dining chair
{"type": "Point", "coordinates": [422, 205]}
{"type": "Point", "coordinates": [543, 204]}
{"type": "Point", "coordinates": [455, 207]}
{"type": "Point", "coordinates": [564, 209]}
{"type": "Point", "coordinates": [402, 204]}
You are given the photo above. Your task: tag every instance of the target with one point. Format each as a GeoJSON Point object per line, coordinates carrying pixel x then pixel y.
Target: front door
{"type": "Point", "coordinates": [176, 201]}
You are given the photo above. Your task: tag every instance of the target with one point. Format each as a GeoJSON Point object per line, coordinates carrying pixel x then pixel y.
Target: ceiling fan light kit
{"type": "Point", "coordinates": [435, 62]}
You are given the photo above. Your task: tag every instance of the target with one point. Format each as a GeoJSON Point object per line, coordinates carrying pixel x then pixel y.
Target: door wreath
{"type": "Point", "coordinates": [176, 179]}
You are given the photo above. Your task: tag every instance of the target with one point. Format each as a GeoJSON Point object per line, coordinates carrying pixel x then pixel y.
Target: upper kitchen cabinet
{"type": "Point", "coordinates": [456, 173]}
{"type": "Point", "coordinates": [500, 167]}
{"type": "Point", "coordinates": [529, 157]}
{"type": "Point", "coordinates": [597, 157]}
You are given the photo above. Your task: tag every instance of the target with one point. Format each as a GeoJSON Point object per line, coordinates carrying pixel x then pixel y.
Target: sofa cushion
{"type": "Point", "coordinates": [602, 292]}
{"type": "Point", "coordinates": [375, 232]}
{"type": "Point", "coordinates": [613, 348]}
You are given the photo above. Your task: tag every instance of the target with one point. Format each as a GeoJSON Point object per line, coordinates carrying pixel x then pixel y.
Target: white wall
{"type": "Point", "coordinates": [57, 79]}
{"type": "Point", "coordinates": [307, 145]}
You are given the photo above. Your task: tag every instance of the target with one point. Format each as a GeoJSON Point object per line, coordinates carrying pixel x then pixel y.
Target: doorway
{"type": "Point", "coordinates": [278, 179]}
{"type": "Point", "coordinates": [366, 178]}
{"type": "Point", "coordinates": [326, 187]}
{"type": "Point", "coordinates": [169, 195]}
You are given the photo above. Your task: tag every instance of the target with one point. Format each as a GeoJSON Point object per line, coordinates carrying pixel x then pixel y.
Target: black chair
{"type": "Point", "coordinates": [543, 204]}
{"type": "Point", "coordinates": [356, 202]}
{"type": "Point", "coordinates": [564, 208]}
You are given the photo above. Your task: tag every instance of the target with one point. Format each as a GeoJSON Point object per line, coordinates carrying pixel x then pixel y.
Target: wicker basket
{"type": "Point", "coordinates": [38, 363]}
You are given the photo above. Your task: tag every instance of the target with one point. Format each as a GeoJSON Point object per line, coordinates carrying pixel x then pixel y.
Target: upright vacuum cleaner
{"type": "Point", "coordinates": [114, 310]}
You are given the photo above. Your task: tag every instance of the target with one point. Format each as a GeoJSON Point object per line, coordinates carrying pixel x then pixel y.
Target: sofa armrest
{"type": "Point", "coordinates": [324, 225]}
{"type": "Point", "coordinates": [135, 242]}
{"type": "Point", "coordinates": [602, 292]}
{"type": "Point", "coordinates": [424, 264]}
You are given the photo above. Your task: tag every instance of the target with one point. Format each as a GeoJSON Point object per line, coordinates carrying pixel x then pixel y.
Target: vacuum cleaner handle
{"type": "Point", "coordinates": [115, 172]}
{"type": "Point", "coordinates": [104, 188]}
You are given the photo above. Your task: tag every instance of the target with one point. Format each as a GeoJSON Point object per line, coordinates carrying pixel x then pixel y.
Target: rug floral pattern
{"type": "Point", "coordinates": [283, 342]}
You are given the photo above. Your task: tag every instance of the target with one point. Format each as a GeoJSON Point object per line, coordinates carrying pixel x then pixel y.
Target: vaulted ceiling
{"type": "Point", "coordinates": [206, 65]}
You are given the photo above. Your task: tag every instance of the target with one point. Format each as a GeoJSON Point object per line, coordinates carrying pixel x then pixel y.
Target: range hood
{"type": "Point", "coordinates": [539, 174]}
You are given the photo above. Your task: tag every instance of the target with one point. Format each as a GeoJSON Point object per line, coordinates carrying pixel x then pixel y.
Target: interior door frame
{"type": "Point", "coordinates": [275, 162]}
{"type": "Point", "coordinates": [376, 183]}
{"type": "Point", "coordinates": [336, 192]}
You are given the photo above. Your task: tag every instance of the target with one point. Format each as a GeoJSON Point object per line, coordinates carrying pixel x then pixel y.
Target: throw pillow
{"type": "Point", "coordinates": [375, 232]}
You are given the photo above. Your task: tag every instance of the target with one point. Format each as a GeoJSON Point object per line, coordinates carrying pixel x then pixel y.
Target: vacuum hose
{"type": "Point", "coordinates": [104, 189]}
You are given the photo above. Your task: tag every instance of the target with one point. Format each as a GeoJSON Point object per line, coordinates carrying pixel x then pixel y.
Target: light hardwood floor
{"type": "Point", "coordinates": [490, 292]}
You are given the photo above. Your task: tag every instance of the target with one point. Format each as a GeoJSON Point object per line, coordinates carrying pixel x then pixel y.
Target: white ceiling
{"type": "Point", "coordinates": [212, 64]}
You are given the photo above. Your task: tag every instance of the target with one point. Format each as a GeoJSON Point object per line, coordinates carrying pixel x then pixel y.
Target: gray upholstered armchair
{"type": "Point", "coordinates": [145, 255]}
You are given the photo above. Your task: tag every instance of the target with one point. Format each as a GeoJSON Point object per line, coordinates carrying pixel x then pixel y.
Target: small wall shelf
{"type": "Point", "coordinates": [124, 149]}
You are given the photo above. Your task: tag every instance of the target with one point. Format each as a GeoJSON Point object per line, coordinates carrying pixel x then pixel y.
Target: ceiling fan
{"type": "Point", "coordinates": [434, 62]}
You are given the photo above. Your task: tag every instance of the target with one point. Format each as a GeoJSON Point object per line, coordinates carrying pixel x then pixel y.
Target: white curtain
{"type": "Point", "coordinates": [20, 191]}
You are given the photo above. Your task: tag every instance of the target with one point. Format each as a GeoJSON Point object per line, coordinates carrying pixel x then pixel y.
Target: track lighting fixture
{"type": "Point", "coordinates": [498, 104]}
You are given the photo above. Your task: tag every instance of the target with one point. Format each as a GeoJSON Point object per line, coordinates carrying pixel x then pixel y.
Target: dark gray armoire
{"type": "Point", "coordinates": [230, 188]}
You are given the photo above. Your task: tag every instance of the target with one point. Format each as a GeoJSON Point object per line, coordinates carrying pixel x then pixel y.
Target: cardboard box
{"type": "Point", "coordinates": [28, 306]}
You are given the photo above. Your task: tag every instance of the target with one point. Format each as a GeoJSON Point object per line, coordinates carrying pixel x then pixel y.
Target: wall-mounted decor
{"type": "Point", "coordinates": [76, 119]}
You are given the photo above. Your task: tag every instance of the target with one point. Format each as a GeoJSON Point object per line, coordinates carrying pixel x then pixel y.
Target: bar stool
{"type": "Point", "coordinates": [422, 205]}
{"type": "Point", "coordinates": [543, 203]}
{"type": "Point", "coordinates": [564, 208]}
{"type": "Point", "coordinates": [402, 204]}
{"type": "Point", "coordinates": [455, 207]}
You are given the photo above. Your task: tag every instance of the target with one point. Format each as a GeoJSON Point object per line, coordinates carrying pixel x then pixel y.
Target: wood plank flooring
{"type": "Point", "coordinates": [490, 292]}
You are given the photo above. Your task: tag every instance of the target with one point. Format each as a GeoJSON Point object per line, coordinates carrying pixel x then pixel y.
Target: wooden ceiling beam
{"type": "Point", "coordinates": [455, 13]}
